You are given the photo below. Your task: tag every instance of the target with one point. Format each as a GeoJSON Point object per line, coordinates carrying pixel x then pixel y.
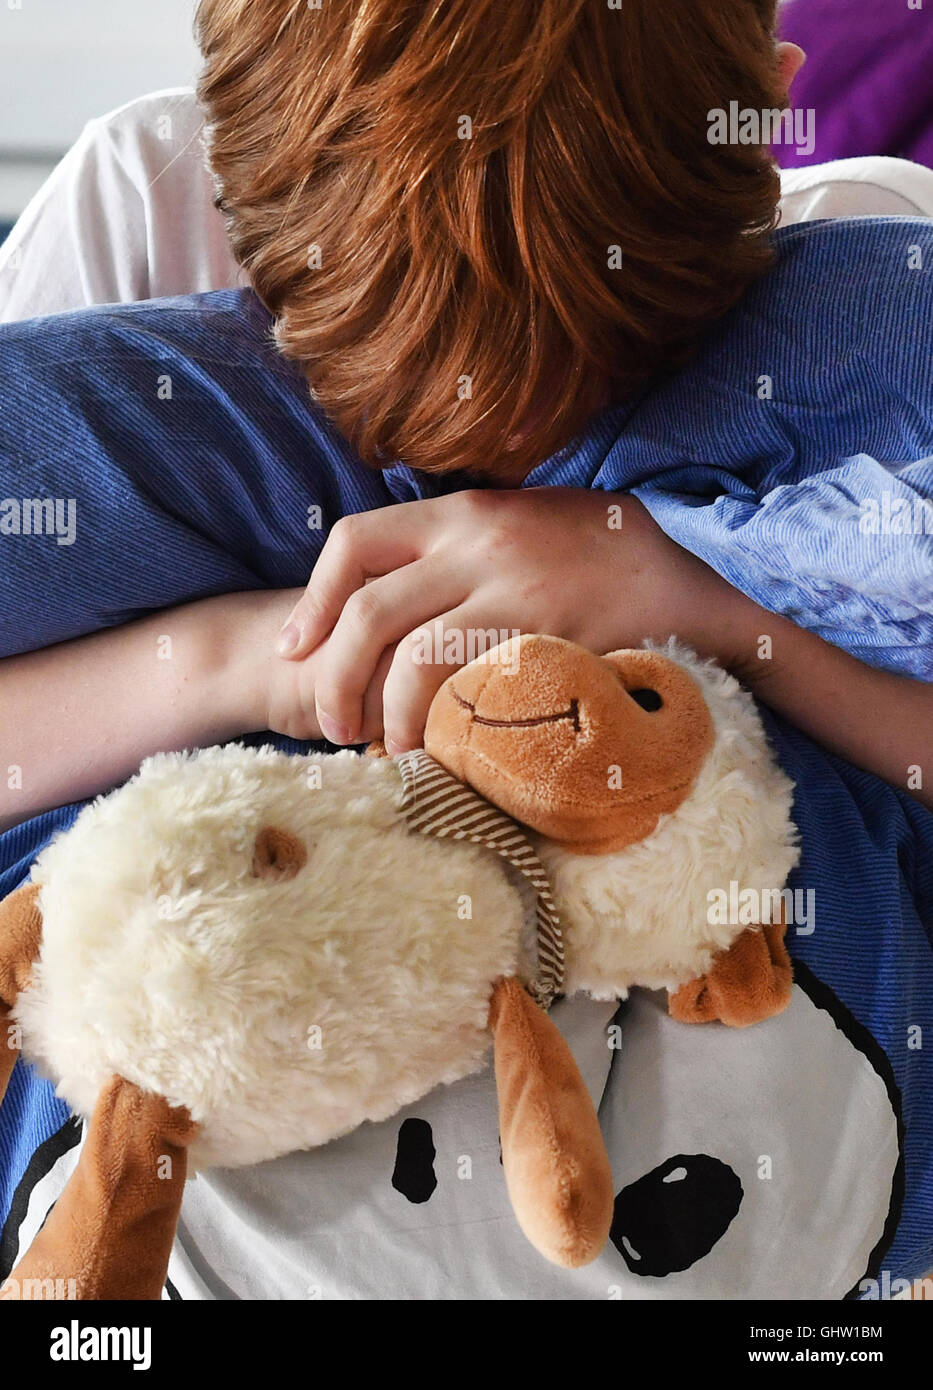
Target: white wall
{"type": "Point", "coordinates": [63, 61]}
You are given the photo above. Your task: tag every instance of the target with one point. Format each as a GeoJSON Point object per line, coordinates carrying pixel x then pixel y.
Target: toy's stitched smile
{"type": "Point", "coordinates": [572, 713]}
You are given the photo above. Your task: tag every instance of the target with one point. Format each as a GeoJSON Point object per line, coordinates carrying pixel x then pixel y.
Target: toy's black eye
{"type": "Point", "coordinates": [648, 699]}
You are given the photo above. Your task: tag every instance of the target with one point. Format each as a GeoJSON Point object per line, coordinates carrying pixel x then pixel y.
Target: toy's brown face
{"type": "Point", "coordinates": [587, 750]}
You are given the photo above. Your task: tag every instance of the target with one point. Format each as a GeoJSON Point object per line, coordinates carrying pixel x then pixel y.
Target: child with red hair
{"type": "Point", "coordinates": [490, 241]}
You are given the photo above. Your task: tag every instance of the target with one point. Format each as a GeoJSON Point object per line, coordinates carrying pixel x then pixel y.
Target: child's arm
{"type": "Point", "coordinates": [877, 720]}
{"type": "Point", "coordinates": [80, 716]}
{"type": "Point", "coordinates": [545, 560]}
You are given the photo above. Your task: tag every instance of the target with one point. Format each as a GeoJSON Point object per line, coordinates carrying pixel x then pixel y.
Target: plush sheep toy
{"type": "Point", "coordinates": [241, 953]}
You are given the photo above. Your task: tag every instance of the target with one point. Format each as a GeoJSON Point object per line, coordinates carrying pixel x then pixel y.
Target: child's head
{"type": "Point", "coordinates": [475, 218]}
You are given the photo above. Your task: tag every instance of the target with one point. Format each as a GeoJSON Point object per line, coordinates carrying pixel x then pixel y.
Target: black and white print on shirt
{"type": "Point", "coordinates": [761, 1163]}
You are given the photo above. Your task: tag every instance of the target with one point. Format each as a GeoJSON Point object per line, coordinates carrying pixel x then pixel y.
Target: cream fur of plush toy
{"type": "Point", "coordinates": [249, 953]}
{"type": "Point", "coordinates": [640, 917]}
{"type": "Point", "coordinates": [281, 1014]}
{"type": "Point", "coordinates": [284, 1014]}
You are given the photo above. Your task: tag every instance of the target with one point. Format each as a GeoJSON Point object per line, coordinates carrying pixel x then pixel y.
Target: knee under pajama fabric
{"type": "Point", "coordinates": [181, 457]}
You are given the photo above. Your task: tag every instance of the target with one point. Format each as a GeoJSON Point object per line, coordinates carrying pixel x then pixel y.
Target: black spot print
{"type": "Point", "coordinates": [414, 1173]}
{"type": "Point", "coordinates": [675, 1214]}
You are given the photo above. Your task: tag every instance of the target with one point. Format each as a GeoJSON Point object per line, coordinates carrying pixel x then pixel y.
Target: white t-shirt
{"type": "Point", "coordinates": [128, 214]}
{"type": "Point", "coordinates": [422, 1212]}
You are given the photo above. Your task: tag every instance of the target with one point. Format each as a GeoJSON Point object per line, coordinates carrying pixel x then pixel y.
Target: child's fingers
{"type": "Point", "coordinates": [358, 548]}
{"type": "Point", "coordinates": [413, 681]}
{"type": "Point", "coordinates": [372, 726]}
{"type": "Point", "coordinates": [373, 618]}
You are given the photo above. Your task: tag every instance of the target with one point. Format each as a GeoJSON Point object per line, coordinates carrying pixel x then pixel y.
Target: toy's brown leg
{"type": "Point", "coordinates": [555, 1162]}
{"type": "Point", "coordinates": [110, 1233]}
{"type": "Point", "coordinates": [749, 982]}
{"type": "Point", "coordinates": [20, 939]}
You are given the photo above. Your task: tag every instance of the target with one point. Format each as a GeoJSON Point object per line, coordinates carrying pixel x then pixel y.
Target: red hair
{"type": "Point", "coordinates": [466, 215]}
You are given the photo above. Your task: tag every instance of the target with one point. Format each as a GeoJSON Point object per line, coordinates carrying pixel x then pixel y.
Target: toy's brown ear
{"type": "Point", "coordinates": [109, 1235]}
{"type": "Point", "coordinates": [749, 982]}
{"type": "Point", "coordinates": [20, 940]}
{"type": "Point", "coordinates": [553, 1156]}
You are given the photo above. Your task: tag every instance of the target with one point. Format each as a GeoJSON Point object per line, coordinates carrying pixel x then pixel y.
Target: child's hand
{"type": "Point", "coordinates": [586, 565]}
{"type": "Point", "coordinates": [267, 693]}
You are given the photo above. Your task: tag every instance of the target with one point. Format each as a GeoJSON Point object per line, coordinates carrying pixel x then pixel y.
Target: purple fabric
{"type": "Point", "coordinates": [868, 78]}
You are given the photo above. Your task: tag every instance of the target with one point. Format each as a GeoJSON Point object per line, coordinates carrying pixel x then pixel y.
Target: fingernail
{"type": "Point", "coordinates": [392, 748]}
{"type": "Point", "coordinates": [332, 731]}
{"type": "Point", "coordinates": [289, 638]}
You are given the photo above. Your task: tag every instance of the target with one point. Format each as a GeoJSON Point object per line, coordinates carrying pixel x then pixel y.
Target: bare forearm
{"type": "Point", "coordinates": [878, 720]}
{"type": "Point", "coordinates": [78, 717]}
